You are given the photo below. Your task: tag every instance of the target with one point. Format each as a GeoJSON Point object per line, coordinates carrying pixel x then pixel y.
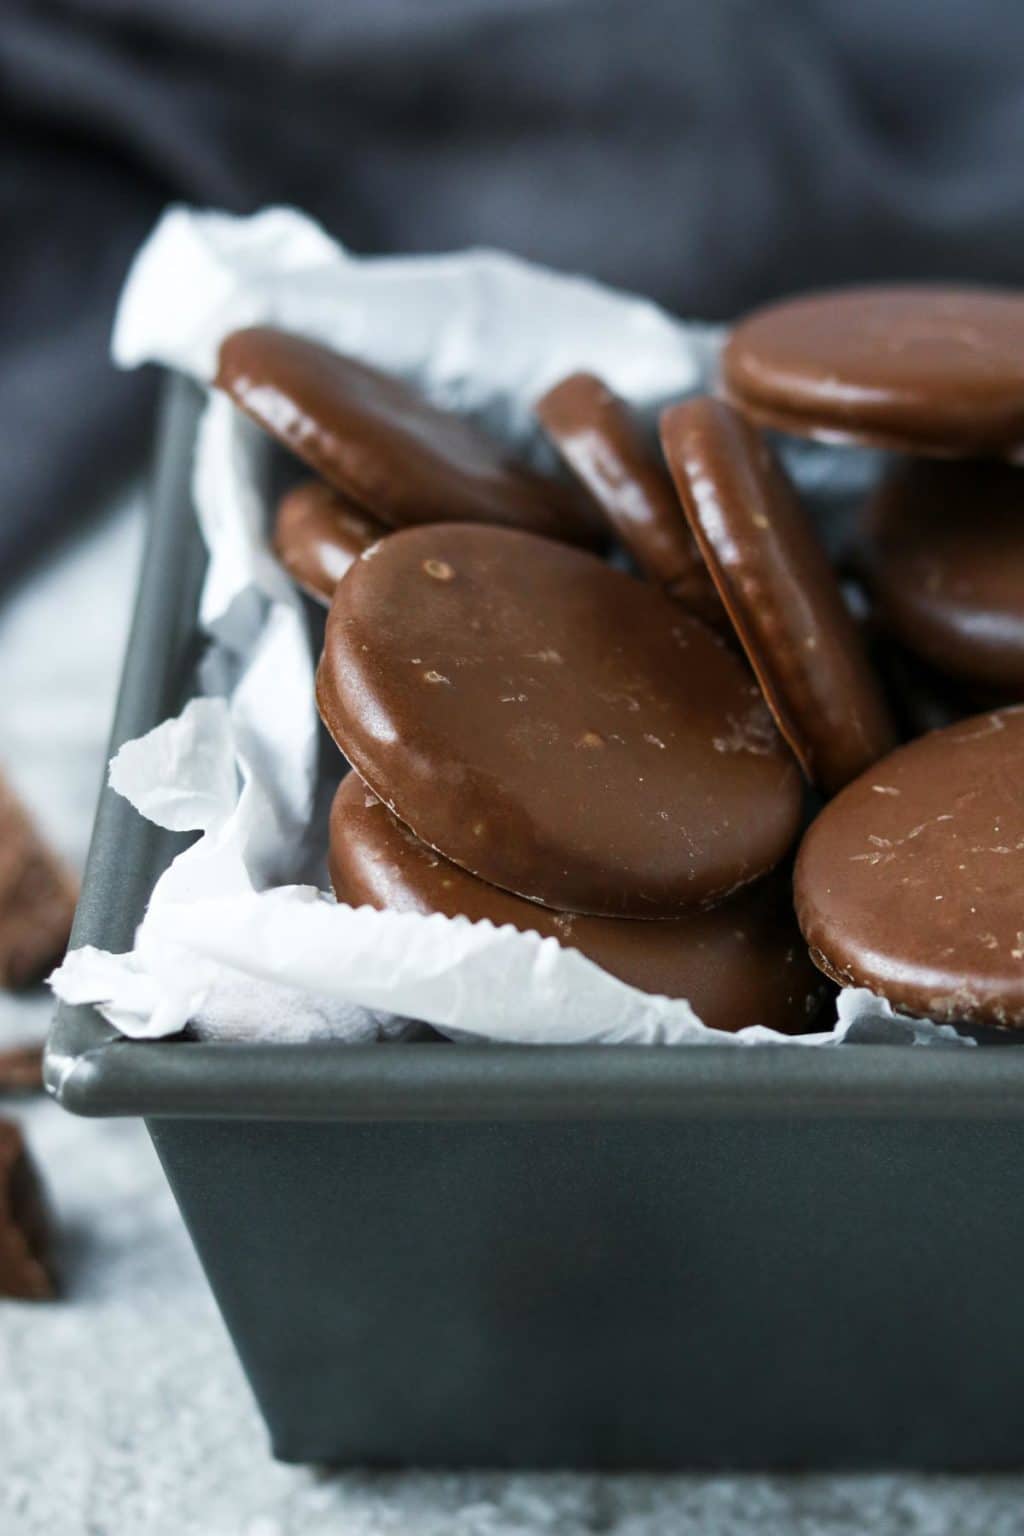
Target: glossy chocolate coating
{"type": "Point", "coordinates": [552, 725]}
{"type": "Point", "coordinates": [779, 590]}
{"type": "Point", "coordinates": [603, 444]}
{"type": "Point", "coordinates": [318, 533]}
{"type": "Point", "coordinates": [944, 558]}
{"type": "Point", "coordinates": [737, 964]}
{"type": "Point", "coordinates": [387, 448]}
{"type": "Point", "coordinates": [930, 370]}
{"type": "Point", "coordinates": [910, 882]}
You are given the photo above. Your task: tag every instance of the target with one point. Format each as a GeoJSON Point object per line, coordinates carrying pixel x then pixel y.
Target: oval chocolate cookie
{"type": "Point", "coordinates": [317, 535]}
{"type": "Point", "coordinates": [930, 370]}
{"type": "Point", "coordinates": [552, 725]}
{"type": "Point", "coordinates": [910, 882]}
{"type": "Point", "coordinates": [601, 441]}
{"type": "Point", "coordinates": [740, 963]}
{"type": "Point", "coordinates": [379, 442]}
{"type": "Point", "coordinates": [779, 590]}
{"type": "Point", "coordinates": [944, 558]}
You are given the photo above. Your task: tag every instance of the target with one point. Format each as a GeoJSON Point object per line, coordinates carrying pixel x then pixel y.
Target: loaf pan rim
{"type": "Point", "coordinates": [91, 1070]}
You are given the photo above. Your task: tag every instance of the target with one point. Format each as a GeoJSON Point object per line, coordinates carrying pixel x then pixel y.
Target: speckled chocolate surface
{"type": "Point", "coordinates": [779, 590]}
{"type": "Point", "coordinates": [910, 881]}
{"type": "Point", "coordinates": [552, 725]}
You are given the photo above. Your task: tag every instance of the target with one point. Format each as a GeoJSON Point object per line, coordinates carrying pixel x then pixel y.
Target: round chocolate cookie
{"type": "Point", "coordinates": [552, 725]}
{"type": "Point", "coordinates": [779, 590]}
{"type": "Point", "coordinates": [944, 559]}
{"type": "Point", "coordinates": [930, 370]}
{"type": "Point", "coordinates": [318, 533]}
{"type": "Point", "coordinates": [910, 882]}
{"type": "Point", "coordinates": [740, 963]}
{"type": "Point", "coordinates": [601, 441]}
{"type": "Point", "coordinates": [379, 442]}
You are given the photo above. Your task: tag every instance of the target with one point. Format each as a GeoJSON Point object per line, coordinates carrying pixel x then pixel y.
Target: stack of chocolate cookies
{"type": "Point", "coordinates": [910, 881]}
{"type": "Point", "coordinates": [624, 762]}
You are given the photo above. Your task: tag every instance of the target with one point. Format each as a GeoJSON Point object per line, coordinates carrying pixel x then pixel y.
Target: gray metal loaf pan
{"type": "Point", "coordinates": [593, 1257]}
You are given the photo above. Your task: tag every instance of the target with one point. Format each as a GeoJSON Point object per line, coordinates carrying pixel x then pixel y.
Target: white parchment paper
{"type": "Point", "coordinates": [231, 942]}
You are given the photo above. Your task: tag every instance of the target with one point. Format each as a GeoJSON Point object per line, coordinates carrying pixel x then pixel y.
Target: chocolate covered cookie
{"type": "Point", "coordinates": [738, 964]}
{"type": "Point", "coordinates": [910, 882]}
{"type": "Point", "coordinates": [318, 533]}
{"type": "Point", "coordinates": [929, 370]}
{"type": "Point", "coordinates": [779, 590]}
{"type": "Point", "coordinates": [603, 444]}
{"type": "Point", "coordinates": [944, 558]}
{"type": "Point", "coordinates": [384, 446]}
{"type": "Point", "coordinates": [552, 725]}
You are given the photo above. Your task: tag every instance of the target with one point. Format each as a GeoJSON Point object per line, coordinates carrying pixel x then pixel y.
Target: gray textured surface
{"type": "Point", "coordinates": [123, 1411]}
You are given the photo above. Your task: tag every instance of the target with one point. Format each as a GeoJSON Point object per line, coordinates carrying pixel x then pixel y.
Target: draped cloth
{"type": "Point", "coordinates": [710, 155]}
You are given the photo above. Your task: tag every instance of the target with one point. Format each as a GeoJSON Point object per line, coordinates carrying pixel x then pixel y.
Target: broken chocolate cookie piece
{"type": "Point", "coordinates": [25, 1272]}
{"type": "Point", "coordinates": [37, 898]}
{"type": "Point", "coordinates": [21, 1069]}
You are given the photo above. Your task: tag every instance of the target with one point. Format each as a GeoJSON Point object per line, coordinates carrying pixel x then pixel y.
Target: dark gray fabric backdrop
{"type": "Point", "coordinates": [709, 152]}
